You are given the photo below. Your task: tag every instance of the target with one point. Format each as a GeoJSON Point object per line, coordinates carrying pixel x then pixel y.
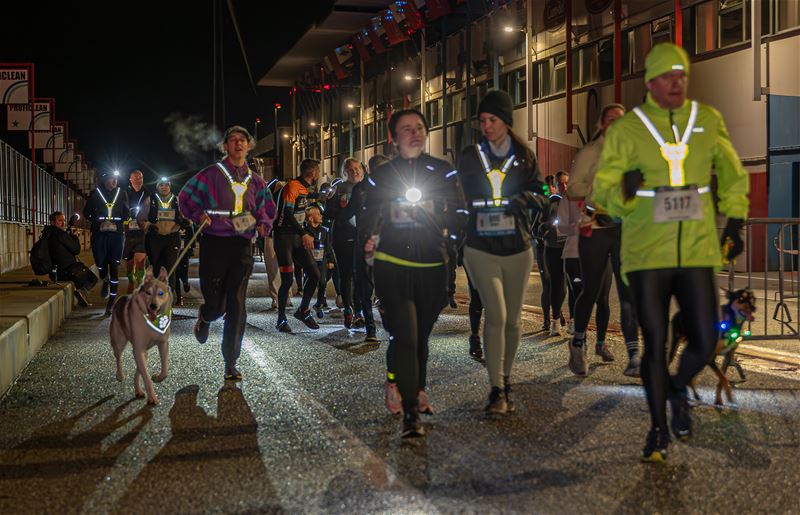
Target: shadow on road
{"type": "Point", "coordinates": [209, 463]}
{"type": "Point", "coordinates": [55, 469]}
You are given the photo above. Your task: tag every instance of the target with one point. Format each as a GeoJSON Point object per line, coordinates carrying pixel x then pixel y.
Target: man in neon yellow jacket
{"type": "Point", "coordinates": [655, 174]}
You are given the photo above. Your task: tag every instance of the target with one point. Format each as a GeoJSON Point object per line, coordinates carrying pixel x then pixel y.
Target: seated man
{"type": "Point", "coordinates": [64, 245]}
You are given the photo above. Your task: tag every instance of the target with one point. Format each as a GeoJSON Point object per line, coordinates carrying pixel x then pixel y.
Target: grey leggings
{"type": "Point", "coordinates": [501, 283]}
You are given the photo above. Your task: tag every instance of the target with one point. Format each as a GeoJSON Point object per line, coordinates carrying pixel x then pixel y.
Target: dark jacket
{"type": "Point", "coordinates": [417, 233]}
{"type": "Point", "coordinates": [96, 211]}
{"type": "Point", "coordinates": [547, 228]}
{"type": "Point", "coordinates": [336, 210]}
{"type": "Point", "coordinates": [321, 243]}
{"type": "Point", "coordinates": [521, 192]}
{"type": "Point", "coordinates": [63, 246]}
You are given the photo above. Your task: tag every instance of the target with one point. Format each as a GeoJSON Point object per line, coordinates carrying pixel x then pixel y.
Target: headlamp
{"type": "Point", "coordinates": [116, 173]}
{"type": "Point", "coordinates": [413, 195]}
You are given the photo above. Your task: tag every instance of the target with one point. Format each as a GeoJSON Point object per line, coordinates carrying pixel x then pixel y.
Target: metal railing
{"type": "Point", "coordinates": [778, 285]}
{"type": "Point", "coordinates": [16, 191]}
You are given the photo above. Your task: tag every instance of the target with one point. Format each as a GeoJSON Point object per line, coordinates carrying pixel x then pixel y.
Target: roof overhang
{"type": "Point", "coordinates": [345, 19]}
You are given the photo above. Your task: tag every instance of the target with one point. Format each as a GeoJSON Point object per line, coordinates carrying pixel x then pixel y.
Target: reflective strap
{"type": "Point", "coordinates": [109, 205]}
{"type": "Point", "coordinates": [382, 256]}
{"type": "Point", "coordinates": [238, 188]}
{"type": "Point", "coordinates": [687, 133]}
{"type": "Point", "coordinates": [673, 153]}
{"type": "Point", "coordinates": [487, 203]}
{"type": "Point", "coordinates": [113, 218]}
{"type": "Point", "coordinates": [652, 193]}
{"type": "Point", "coordinates": [165, 205]}
{"type": "Point", "coordinates": [218, 212]}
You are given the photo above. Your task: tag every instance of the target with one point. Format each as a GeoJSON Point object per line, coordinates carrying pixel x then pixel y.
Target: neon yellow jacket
{"type": "Point", "coordinates": [628, 146]}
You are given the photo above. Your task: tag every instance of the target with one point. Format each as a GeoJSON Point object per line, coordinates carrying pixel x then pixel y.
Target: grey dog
{"type": "Point", "coordinates": [143, 318]}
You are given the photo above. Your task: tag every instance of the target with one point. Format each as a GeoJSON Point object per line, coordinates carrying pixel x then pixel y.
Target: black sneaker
{"type": "Point", "coordinates": [105, 289]}
{"type": "Point", "coordinates": [305, 316]}
{"type": "Point", "coordinates": [371, 337]}
{"type": "Point", "coordinates": [318, 311]}
{"type": "Point", "coordinates": [232, 373]}
{"type": "Point", "coordinates": [655, 449]}
{"type": "Point", "coordinates": [80, 296]}
{"type": "Point", "coordinates": [545, 326]}
{"type": "Point", "coordinates": [681, 417]}
{"type": "Point", "coordinates": [497, 402]}
{"type": "Point", "coordinates": [186, 287]}
{"type": "Point", "coordinates": [348, 318]}
{"type": "Point", "coordinates": [507, 393]}
{"type": "Point", "coordinates": [283, 326]}
{"type": "Point", "coordinates": [201, 328]}
{"type": "Point", "coordinates": [410, 427]}
{"type": "Point", "coordinates": [452, 302]}
{"type": "Point", "coordinates": [475, 349]}
{"type": "Point", "coordinates": [109, 307]}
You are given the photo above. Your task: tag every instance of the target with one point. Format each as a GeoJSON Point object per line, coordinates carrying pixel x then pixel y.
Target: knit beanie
{"type": "Point", "coordinates": [663, 58]}
{"type": "Point", "coordinates": [499, 104]}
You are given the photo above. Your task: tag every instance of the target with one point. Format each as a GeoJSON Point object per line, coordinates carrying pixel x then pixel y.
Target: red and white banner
{"type": "Point", "coordinates": [406, 10]}
{"type": "Point", "coordinates": [19, 116]}
{"type": "Point", "coordinates": [392, 28]}
{"type": "Point", "coordinates": [15, 84]}
{"type": "Point", "coordinates": [374, 36]}
{"type": "Point", "coordinates": [361, 48]}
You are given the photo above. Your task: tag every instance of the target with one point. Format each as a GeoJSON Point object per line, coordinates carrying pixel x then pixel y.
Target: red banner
{"type": "Point", "coordinates": [436, 9]}
{"type": "Point", "coordinates": [358, 44]}
{"type": "Point", "coordinates": [413, 18]}
{"type": "Point", "coordinates": [392, 28]}
{"type": "Point", "coordinates": [336, 66]}
{"type": "Point", "coordinates": [375, 40]}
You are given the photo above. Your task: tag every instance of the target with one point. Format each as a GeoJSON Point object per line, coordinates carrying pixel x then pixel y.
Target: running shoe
{"type": "Point", "coordinates": [201, 328]}
{"type": "Point", "coordinates": [109, 306]}
{"type": "Point", "coordinates": [358, 322]}
{"type": "Point", "coordinates": [348, 318]}
{"type": "Point", "coordinates": [632, 370]}
{"type": "Point", "coordinates": [411, 427]}
{"type": "Point", "coordinates": [392, 397]}
{"type": "Point", "coordinates": [655, 449]}
{"type": "Point", "coordinates": [475, 349]}
{"type": "Point", "coordinates": [80, 296]}
{"type": "Point", "coordinates": [186, 287]}
{"type": "Point", "coordinates": [104, 289]}
{"type": "Point", "coordinates": [422, 401]}
{"type": "Point", "coordinates": [681, 422]}
{"type": "Point", "coordinates": [305, 316]}
{"type": "Point", "coordinates": [555, 330]}
{"type": "Point", "coordinates": [371, 337]}
{"type": "Point", "coordinates": [232, 373]}
{"type": "Point", "coordinates": [318, 311]}
{"type": "Point", "coordinates": [274, 305]}
{"type": "Point", "coordinates": [497, 402]}
{"type": "Point", "coordinates": [283, 326]}
{"type": "Point", "coordinates": [602, 350]}
{"type": "Point", "coordinates": [452, 302]}
{"type": "Point", "coordinates": [577, 358]}
{"type": "Point", "coordinates": [546, 325]}
{"type": "Point", "coordinates": [571, 327]}
{"type": "Point", "coordinates": [507, 394]}
{"type": "Point", "coordinates": [339, 302]}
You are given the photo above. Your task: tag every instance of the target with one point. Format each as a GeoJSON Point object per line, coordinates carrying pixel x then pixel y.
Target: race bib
{"type": "Point", "coordinates": [677, 205]}
{"type": "Point", "coordinates": [300, 216]}
{"type": "Point", "coordinates": [108, 226]}
{"type": "Point", "coordinates": [133, 225]}
{"type": "Point", "coordinates": [166, 214]}
{"type": "Point", "coordinates": [494, 222]}
{"type": "Point", "coordinates": [319, 254]}
{"type": "Point", "coordinates": [402, 212]}
{"type": "Point", "coordinates": [243, 222]}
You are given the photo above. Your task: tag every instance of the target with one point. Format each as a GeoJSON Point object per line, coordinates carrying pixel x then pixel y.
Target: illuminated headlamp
{"type": "Point", "coordinates": [163, 180]}
{"type": "Point", "coordinates": [413, 195]}
{"type": "Point", "coordinates": [116, 173]}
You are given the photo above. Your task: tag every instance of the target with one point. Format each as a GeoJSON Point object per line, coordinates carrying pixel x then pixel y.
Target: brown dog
{"type": "Point", "coordinates": [739, 309]}
{"type": "Point", "coordinates": [143, 318]}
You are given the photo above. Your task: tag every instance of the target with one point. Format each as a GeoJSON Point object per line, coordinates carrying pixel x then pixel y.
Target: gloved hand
{"type": "Point", "coordinates": [732, 244]}
{"type": "Point", "coordinates": [631, 182]}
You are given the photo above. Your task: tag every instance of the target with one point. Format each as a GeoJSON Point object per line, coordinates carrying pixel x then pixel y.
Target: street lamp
{"type": "Point", "coordinates": [353, 106]}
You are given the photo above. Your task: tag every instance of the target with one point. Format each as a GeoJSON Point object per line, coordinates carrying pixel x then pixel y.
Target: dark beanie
{"type": "Point", "coordinates": [499, 104]}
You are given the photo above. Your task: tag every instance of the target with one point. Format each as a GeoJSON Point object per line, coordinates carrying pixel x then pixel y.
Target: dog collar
{"type": "Point", "coordinates": [732, 334]}
{"type": "Point", "coordinates": [159, 323]}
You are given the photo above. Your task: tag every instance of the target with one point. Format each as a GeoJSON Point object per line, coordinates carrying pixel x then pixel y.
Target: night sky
{"type": "Point", "coordinates": [117, 70]}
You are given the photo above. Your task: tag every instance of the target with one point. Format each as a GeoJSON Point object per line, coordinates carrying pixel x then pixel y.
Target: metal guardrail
{"type": "Point", "coordinates": [778, 287]}
{"type": "Point", "coordinates": [16, 191]}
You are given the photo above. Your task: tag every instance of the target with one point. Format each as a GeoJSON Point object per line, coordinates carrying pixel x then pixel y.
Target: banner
{"type": "Point", "coordinates": [392, 28]}
{"type": "Point", "coordinates": [19, 116]}
{"type": "Point", "coordinates": [53, 146]}
{"type": "Point", "coordinates": [358, 44]}
{"type": "Point", "coordinates": [14, 84]}
{"type": "Point", "coordinates": [65, 157]}
{"type": "Point", "coordinates": [407, 10]}
{"type": "Point", "coordinates": [374, 37]}
{"type": "Point", "coordinates": [436, 9]}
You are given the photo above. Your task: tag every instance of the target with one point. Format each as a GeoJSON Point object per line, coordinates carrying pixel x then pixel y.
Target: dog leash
{"type": "Point", "coordinates": [187, 246]}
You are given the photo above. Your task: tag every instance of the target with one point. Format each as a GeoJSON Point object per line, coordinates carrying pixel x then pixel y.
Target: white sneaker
{"type": "Point", "coordinates": [571, 327]}
{"type": "Point", "coordinates": [554, 328]}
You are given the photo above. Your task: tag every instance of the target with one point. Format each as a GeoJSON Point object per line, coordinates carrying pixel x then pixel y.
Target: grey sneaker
{"type": "Point", "coordinates": [577, 357]}
{"type": "Point", "coordinates": [554, 328]}
{"type": "Point", "coordinates": [497, 402]}
{"type": "Point", "coordinates": [632, 370]}
{"type": "Point", "coordinates": [602, 350]}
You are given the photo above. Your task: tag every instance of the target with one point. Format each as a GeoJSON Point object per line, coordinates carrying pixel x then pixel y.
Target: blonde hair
{"type": "Point", "coordinates": [351, 159]}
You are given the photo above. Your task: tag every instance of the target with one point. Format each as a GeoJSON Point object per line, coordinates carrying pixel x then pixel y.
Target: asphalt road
{"type": "Point", "coordinates": [307, 431]}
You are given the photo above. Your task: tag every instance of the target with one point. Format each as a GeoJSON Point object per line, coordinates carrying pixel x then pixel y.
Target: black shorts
{"type": "Point", "coordinates": [288, 249]}
{"type": "Point", "coordinates": [134, 243]}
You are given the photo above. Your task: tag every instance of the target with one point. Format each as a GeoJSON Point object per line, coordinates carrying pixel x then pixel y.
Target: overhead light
{"type": "Point", "coordinates": [313, 124]}
{"type": "Point", "coordinates": [408, 77]}
{"type": "Point", "coordinates": [285, 136]}
{"type": "Point", "coordinates": [508, 28]}
{"type": "Point", "coordinates": [350, 106]}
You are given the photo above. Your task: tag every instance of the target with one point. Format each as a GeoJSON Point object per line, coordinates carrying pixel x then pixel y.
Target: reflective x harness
{"type": "Point", "coordinates": [109, 206]}
{"type": "Point", "coordinates": [238, 188]}
{"type": "Point", "coordinates": [673, 153]}
{"type": "Point", "coordinates": [495, 176]}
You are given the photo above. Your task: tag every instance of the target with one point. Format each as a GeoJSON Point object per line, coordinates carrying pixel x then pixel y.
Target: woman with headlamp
{"type": "Point", "coordinates": [413, 209]}
{"type": "Point", "coordinates": [503, 186]}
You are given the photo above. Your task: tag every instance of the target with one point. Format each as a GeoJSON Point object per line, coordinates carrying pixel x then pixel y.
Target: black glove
{"type": "Point", "coordinates": [631, 182]}
{"type": "Point", "coordinates": [732, 232]}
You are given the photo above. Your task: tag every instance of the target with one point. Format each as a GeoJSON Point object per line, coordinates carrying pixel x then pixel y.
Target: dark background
{"type": "Point", "coordinates": [129, 76]}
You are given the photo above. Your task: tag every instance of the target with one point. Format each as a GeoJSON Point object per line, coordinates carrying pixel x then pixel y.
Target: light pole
{"type": "Point", "coordinates": [277, 168]}
{"type": "Point", "coordinates": [353, 106]}
{"type": "Point", "coordinates": [255, 129]}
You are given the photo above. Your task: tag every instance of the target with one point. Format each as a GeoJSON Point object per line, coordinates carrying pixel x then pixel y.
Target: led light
{"type": "Point", "coordinates": [739, 339]}
{"type": "Point", "coordinates": [747, 333]}
{"type": "Point", "coordinates": [116, 173]}
{"type": "Point", "coordinates": [723, 325]}
{"type": "Point", "coordinates": [509, 29]}
{"type": "Point", "coordinates": [734, 335]}
{"type": "Point", "coordinates": [163, 180]}
{"type": "Point", "coordinates": [408, 77]}
{"type": "Point", "coordinates": [413, 195]}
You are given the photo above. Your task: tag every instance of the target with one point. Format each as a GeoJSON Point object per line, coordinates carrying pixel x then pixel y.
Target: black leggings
{"type": "Point", "coordinates": [595, 252]}
{"type": "Point", "coordinates": [162, 251]}
{"type": "Point", "coordinates": [554, 274]}
{"type": "Point", "coordinates": [289, 250]}
{"type": "Point", "coordinates": [695, 289]}
{"type": "Point", "coordinates": [475, 308]}
{"type": "Point", "coordinates": [107, 252]}
{"type": "Point", "coordinates": [545, 298]}
{"type": "Point", "coordinates": [411, 299]}
{"type": "Point", "coordinates": [344, 259]}
{"type": "Point", "coordinates": [572, 267]}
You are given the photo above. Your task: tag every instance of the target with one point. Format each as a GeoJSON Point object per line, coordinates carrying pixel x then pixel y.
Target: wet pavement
{"type": "Point", "coordinates": [307, 431]}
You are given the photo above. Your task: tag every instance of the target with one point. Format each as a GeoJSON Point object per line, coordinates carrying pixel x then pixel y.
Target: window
{"type": "Point", "coordinates": [560, 72]}
{"type": "Point", "coordinates": [433, 112]}
{"type": "Point", "coordinates": [640, 44]}
{"type": "Point", "coordinates": [478, 91]}
{"type": "Point", "coordinates": [514, 84]}
{"type": "Point", "coordinates": [788, 14]}
{"type": "Point", "coordinates": [731, 22]}
{"type": "Point", "coordinates": [456, 107]}
{"type": "Point", "coordinates": [584, 65]}
{"type": "Point", "coordinates": [382, 129]}
{"type": "Point", "coordinates": [706, 20]}
{"type": "Point", "coordinates": [605, 59]}
{"type": "Point", "coordinates": [369, 134]}
{"type": "Point", "coordinates": [661, 30]}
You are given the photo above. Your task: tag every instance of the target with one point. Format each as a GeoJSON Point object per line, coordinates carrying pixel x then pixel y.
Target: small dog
{"type": "Point", "coordinates": [739, 309]}
{"type": "Point", "coordinates": [143, 318]}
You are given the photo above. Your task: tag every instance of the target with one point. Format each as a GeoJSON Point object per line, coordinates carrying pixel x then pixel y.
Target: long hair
{"type": "Point", "coordinates": [519, 142]}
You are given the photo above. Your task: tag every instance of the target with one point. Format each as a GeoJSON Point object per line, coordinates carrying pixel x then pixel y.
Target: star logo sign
{"type": "Point", "coordinates": [15, 123]}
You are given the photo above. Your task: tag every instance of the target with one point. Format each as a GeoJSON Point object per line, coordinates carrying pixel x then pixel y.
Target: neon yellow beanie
{"type": "Point", "coordinates": [663, 58]}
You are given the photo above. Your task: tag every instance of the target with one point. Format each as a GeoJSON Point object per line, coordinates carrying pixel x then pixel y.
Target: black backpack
{"type": "Point", "coordinates": [40, 257]}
